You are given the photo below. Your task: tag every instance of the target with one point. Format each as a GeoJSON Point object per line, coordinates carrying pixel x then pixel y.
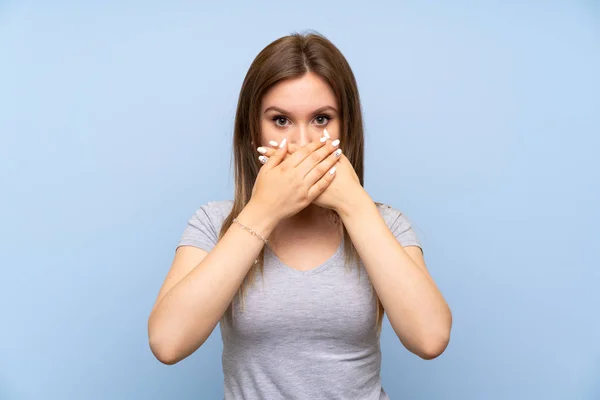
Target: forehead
{"type": "Point", "coordinates": [302, 94]}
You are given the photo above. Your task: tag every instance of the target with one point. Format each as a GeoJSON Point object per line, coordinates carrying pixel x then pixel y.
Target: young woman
{"type": "Point", "coordinates": [300, 267]}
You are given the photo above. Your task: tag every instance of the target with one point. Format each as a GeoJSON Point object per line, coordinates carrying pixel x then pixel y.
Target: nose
{"type": "Point", "coordinates": [302, 135]}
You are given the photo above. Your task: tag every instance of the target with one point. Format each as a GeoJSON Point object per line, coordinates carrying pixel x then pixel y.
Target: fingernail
{"type": "Point", "coordinates": [332, 171]}
{"type": "Point", "coordinates": [273, 143]}
{"type": "Point", "coordinates": [263, 159]}
{"type": "Point", "coordinates": [335, 142]}
{"type": "Point", "coordinates": [261, 150]}
{"type": "Point", "coordinates": [326, 134]}
{"type": "Point", "coordinates": [323, 139]}
{"type": "Point", "coordinates": [338, 152]}
{"type": "Point", "coordinates": [282, 143]}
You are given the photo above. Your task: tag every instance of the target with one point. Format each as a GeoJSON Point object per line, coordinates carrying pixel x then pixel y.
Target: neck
{"type": "Point", "coordinates": [311, 219]}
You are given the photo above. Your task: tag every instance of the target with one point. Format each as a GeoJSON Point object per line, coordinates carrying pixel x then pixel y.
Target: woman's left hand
{"type": "Point", "coordinates": [345, 186]}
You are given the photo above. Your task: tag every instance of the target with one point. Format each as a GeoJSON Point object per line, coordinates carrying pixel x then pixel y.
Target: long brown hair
{"type": "Point", "coordinates": [286, 58]}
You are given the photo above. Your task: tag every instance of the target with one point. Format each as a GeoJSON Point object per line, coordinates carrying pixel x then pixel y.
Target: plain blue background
{"type": "Point", "coordinates": [482, 125]}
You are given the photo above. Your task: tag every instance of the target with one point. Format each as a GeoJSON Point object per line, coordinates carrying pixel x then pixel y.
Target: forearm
{"type": "Point", "coordinates": [416, 309]}
{"type": "Point", "coordinates": [185, 317]}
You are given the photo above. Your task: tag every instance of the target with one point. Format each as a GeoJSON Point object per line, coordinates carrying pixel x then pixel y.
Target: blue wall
{"type": "Point", "coordinates": [482, 123]}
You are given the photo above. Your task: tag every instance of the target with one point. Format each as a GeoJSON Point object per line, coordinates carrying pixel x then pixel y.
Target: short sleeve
{"type": "Point", "coordinates": [202, 230]}
{"type": "Point", "coordinates": [400, 226]}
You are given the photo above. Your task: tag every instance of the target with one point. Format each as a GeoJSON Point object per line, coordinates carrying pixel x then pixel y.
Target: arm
{"type": "Point", "coordinates": [416, 309]}
{"type": "Point", "coordinates": [200, 286]}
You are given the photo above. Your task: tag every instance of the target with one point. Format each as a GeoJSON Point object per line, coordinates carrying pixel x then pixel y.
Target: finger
{"type": "Point", "coordinates": [319, 187]}
{"type": "Point", "coordinates": [268, 151]}
{"type": "Point", "coordinates": [316, 157]}
{"type": "Point", "coordinates": [303, 152]}
{"type": "Point", "coordinates": [322, 168]}
{"type": "Point", "coordinates": [278, 156]}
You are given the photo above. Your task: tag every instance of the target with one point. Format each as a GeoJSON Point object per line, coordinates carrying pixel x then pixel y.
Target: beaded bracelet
{"type": "Point", "coordinates": [251, 231]}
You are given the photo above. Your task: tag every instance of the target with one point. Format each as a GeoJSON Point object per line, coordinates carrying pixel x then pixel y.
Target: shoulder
{"type": "Point", "coordinates": [203, 227]}
{"type": "Point", "coordinates": [390, 214]}
{"type": "Point", "coordinates": [214, 212]}
{"type": "Point", "coordinates": [399, 224]}
{"type": "Point", "coordinates": [219, 208]}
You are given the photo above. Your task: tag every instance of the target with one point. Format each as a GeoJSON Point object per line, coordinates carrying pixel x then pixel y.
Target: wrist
{"type": "Point", "coordinates": [259, 218]}
{"type": "Point", "coordinates": [353, 203]}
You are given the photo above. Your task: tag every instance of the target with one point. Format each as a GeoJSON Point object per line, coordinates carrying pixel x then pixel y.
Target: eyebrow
{"type": "Point", "coordinates": [282, 111]}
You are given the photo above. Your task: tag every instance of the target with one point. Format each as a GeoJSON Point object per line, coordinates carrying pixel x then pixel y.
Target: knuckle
{"type": "Point", "coordinates": [310, 177]}
{"type": "Point", "coordinates": [305, 151]}
{"type": "Point", "coordinates": [322, 185]}
{"type": "Point", "coordinates": [321, 169]}
{"type": "Point", "coordinates": [315, 157]}
{"type": "Point", "coordinates": [303, 194]}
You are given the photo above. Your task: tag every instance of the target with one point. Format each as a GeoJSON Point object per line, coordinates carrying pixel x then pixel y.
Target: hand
{"type": "Point", "coordinates": [344, 185]}
{"type": "Point", "coordinates": [287, 183]}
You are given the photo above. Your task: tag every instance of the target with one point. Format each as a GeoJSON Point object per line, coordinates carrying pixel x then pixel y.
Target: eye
{"type": "Point", "coordinates": [322, 119]}
{"type": "Point", "coordinates": [280, 120]}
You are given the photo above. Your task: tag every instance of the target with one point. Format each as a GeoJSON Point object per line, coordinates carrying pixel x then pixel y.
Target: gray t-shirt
{"type": "Point", "coordinates": [306, 335]}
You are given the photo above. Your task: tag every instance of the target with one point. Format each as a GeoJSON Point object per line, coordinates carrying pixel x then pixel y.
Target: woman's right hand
{"type": "Point", "coordinates": [287, 183]}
